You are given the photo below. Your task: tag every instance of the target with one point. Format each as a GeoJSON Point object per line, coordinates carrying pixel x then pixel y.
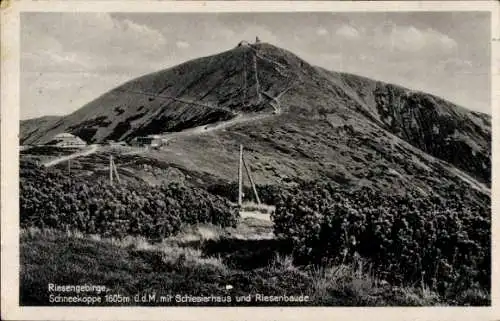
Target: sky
{"type": "Point", "coordinates": [69, 59]}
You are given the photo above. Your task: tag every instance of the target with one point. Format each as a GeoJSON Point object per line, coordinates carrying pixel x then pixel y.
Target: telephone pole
{"type": "Point", "coordinates": [111, 169]}
{"type": "Point", "coordinates": [251, 182]}
{"type": "Point", "coordinates": [115, 171]}
{"type": "Point", "coordinates": [240, 178]}
{"type": "Point", "coordinates": [242, 164]}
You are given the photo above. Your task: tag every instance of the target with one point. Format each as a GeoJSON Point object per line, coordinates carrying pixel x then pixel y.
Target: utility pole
{"type": "Point", "coordinates": [251, 182]}
{"type": "Point", "coordinates": [240, 178]}
{"type": "Point", "coordinates": [116, 173]}
{"type": "Point", "coordinates": [69, 167]}
{"type": "Point", "coordinates": [111, 169]}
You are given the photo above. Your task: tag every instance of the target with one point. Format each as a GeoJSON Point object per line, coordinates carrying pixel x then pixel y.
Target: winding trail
{"type": "Point", "coordinates": [239, 118]}
{"type": "Point", "coordinates": [199, 130]}
{"type": "Point", "coordinates": [91, 150]}
{"type": "Point", "coordinates": [257, 83]}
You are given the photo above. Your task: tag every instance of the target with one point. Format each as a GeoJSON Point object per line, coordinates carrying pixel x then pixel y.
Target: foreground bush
{"type": "Point", "coordinates": [441, 242]}
{"type": "Point", "coordinates": [52, 200]}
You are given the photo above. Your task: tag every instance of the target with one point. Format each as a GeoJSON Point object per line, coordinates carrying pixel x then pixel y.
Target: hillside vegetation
{"type": "Point", "coordinates": [206, 265]}
{"type": "Point", "coordinates": [443, 242]}
{"type": "Point", "coordinates": [51, 200]}
{"type": "Point", "coordinates": [382, 193]}
{"type": "Point", "coordinates": [340, 247]}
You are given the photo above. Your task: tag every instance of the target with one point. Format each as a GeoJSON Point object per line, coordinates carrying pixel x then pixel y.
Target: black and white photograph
{"type": "Point", "coordinates": [255, 159]}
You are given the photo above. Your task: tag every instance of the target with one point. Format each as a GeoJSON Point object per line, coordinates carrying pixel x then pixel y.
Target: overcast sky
{"type": "Point", "coordinates": [68, 59]}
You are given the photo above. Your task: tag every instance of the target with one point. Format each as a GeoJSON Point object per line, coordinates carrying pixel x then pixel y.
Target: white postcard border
{"type": "Point", "coordinates": [10, 54]}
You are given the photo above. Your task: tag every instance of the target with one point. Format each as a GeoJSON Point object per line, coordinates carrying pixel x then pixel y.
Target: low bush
{"type": "Point", "coordinates": [443, 242]}
{"type": "Point", "coordinates": [52, 200]}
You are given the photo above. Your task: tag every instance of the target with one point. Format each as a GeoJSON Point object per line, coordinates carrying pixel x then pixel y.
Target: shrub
{"type": "Point", "coordinates": [51, 200]}
{"type": "Point", "coordinates": [442, 241]}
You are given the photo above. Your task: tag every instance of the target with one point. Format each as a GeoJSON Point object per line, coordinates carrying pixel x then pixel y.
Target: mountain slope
{"type": "Point", "coordinates": [430, 123]}
{"type": "Point", "coordinates": [31, 128]}
{"type": "Point", "coordinates": [145, 105]}
{"type": "Point", "coordinates": [312, 124]}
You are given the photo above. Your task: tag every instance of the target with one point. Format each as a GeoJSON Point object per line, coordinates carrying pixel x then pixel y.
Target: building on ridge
{"type": "Point", "coordinates": [153, 141]}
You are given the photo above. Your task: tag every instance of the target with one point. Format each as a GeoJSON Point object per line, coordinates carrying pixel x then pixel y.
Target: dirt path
{"type": "Point", "coordinates": [257, 83]}
{"type": "Point", "coordinates": [199, 130]}
{"type": "Point", "coordinates": [239, 118]}
{"type": "Point", "coordinates": [256, 215]}
{"type": "Point", "coordinates": [91, 150]}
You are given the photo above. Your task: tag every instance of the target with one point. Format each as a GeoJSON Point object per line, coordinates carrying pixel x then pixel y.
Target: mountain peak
{"type": "Point", "coordinates": [271, 89]}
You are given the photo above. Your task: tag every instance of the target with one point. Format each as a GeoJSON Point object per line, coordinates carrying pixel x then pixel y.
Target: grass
{"type": "Point", "coordinates": [202, 260]}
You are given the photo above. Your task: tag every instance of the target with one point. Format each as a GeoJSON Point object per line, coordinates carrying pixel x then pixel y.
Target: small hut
{"type": "Point", "coordinates": [147, 141]}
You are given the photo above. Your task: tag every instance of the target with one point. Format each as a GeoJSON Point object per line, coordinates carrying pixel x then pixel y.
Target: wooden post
{"type": "Point", "coordinates": [251, 182]}
{"type": "Point", "coordinates": [116, 173]}
{"type": "Point", "coordinates": [111, 169]}
{"type": "Point", "coordinates": [240, 178]}
{"type": "Point", "coordinates": [69, 168]}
